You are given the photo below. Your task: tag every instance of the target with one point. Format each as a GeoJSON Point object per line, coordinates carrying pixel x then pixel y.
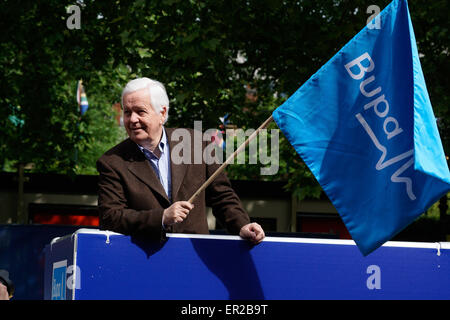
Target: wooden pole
{"type": "Point", "coordinates": [230, 159]}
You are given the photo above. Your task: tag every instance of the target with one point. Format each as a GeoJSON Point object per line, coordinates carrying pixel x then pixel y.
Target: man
{"type": "Point", "coordinates": [143, 192]}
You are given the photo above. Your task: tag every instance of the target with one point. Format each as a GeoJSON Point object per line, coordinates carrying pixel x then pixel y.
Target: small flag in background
{"type": "Point", "coordinates": [217, 138]}
{"type": "Point", "coordinates": [81, 98]}
{"type": "Point", "coordinates": [365, 127]}
{"type": "Point", "coordinates": [218, 135]}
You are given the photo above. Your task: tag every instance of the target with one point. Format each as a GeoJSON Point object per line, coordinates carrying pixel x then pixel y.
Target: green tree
{"type": "Point", "coordinates": [206, 53]}
{"type": "Point", "coordinates": [40, 63]}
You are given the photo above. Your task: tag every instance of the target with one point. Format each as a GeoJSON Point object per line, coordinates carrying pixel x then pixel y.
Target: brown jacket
{"type": "Point", "coordinates": [131, 198]}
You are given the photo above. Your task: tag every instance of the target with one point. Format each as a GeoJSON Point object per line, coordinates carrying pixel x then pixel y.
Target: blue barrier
{"type": "Point", "coordinates": [21, 254]}
{"type": "Point", "coordinates": [92, 264]}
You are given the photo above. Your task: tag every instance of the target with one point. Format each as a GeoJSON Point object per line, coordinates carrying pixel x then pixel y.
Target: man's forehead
{"type": "Point", "coordinates": [140, 97]}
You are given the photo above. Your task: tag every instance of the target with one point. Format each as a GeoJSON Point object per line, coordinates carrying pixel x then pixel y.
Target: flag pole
{"type": "Point", "coordinates": [230, 159]}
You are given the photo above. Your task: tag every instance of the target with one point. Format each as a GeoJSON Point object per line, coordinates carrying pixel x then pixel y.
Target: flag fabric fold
{"type": "Point", "coordinates": [364, 126]}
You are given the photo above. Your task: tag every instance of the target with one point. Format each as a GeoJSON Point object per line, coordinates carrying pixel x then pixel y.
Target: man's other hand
{"type": "Point", "coordinates": [252, 232]}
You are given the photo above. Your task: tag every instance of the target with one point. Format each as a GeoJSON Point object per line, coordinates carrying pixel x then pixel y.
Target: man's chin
{"type": "Point", "coordinates": [139, 138]}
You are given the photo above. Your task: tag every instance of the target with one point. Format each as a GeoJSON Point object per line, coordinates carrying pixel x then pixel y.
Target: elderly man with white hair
{"type": "Point", "coordinates": [142, 192]}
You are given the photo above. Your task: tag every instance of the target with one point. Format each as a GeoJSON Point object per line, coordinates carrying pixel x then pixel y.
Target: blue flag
{"type": "Point", "coordinates": [364, 126]}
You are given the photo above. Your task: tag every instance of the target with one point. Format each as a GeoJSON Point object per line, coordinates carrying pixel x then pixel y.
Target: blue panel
{"type": "Point", "coordinates": [209, 268]}
{"type": "Point", "coordinates": [21, 254]}
{"type": "Point", "coordinates": [58, 266]}
{"type": "Point", "coordinates": [319, 271]}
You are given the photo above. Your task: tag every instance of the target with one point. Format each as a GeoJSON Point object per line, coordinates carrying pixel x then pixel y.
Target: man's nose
{"type": "Point", "coordinates": [134, 117]}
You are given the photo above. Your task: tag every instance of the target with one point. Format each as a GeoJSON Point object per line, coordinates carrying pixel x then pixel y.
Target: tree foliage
{"type": "Point", "coordinates": [206, 53]}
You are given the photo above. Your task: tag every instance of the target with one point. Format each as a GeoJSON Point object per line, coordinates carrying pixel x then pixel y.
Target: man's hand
{"type": "Point", "coordinates": [4, 295]}
{"type": "Point", "coordinates": [252, 232]}
{"type": "Point", "coordinates": [176, 213]}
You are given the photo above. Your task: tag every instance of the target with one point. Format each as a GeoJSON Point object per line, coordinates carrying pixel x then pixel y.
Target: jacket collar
{"type": "Point", "coordinates": [141, 168]}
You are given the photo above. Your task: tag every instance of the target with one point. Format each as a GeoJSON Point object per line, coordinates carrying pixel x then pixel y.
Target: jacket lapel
{"type": "Point", "coordinates": [141, 168]}
{"type": "Point", "coordinates": [178, 171]}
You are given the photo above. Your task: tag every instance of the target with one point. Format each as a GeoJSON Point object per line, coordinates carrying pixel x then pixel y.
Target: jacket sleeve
{"type": "Point", "coordinates": [225, 203]}
{"type": "Point", "coordinates": [114, 213]}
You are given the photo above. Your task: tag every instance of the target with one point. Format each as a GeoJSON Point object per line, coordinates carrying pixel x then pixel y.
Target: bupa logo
{"type": "Point", "coordinates": [61, 280]}
{"type": "Point", "coordinates": [357, 69]}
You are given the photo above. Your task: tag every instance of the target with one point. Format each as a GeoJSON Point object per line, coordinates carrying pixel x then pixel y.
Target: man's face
{"type": "Point", "coordinates": [143, 124]}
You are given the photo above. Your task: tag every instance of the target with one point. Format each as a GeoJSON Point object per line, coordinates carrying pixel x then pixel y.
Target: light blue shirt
{"type": "Point", "coordinates": [161, 165]}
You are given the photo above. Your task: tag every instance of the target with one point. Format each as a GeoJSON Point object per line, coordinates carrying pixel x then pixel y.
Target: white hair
{"type": "Point", "coordinates": [158, 94]}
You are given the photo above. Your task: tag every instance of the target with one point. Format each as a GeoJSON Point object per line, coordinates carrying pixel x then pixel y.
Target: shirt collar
{"type": "Point", "coordinates": [162, 143]}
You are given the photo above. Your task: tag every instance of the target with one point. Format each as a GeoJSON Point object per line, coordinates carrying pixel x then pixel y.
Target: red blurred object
{"type": "Point", "coordinates": [63, 214]}
{"type": "Point", "coordinates": [75, 220]}
{"type": "Point", "coordinates": [323, 223]}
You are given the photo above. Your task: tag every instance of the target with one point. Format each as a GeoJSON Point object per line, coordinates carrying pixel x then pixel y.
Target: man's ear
{"type": "Point", "coordinates": [163, 113]}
